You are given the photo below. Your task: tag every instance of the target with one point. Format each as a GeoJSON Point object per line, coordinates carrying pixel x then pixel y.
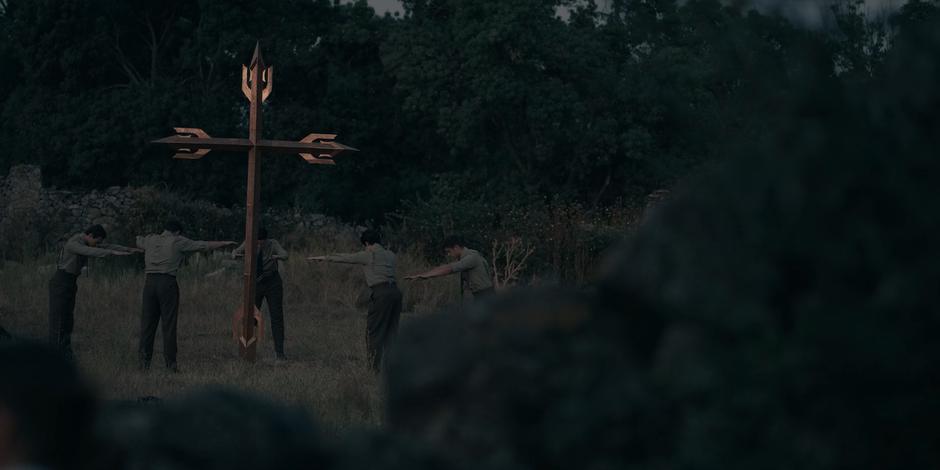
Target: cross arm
{"type": "Point", "coordinates": [315, 148]}
{"type": "Point", "coordinates": [192, 143]}
{"type": "Point", "coordinates": [212, 143]}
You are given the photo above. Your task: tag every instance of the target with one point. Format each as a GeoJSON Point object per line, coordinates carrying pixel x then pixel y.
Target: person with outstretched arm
{"type": "Point", "coordinates": [378, 266]}
{"type": "Point", "coordinates": [64, 283]}
{"type": "Point", "coordinates": [163, 256]}
{"type": "Point", "coordinates": [475, 273]}
{"type": "Point", "coordinates": [268, 284]}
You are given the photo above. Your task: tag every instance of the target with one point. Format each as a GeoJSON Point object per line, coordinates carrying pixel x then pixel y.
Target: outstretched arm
{"type": "Point", "coordinates": [362, 257]}
{"type": "Point", "coordinates": [121, 248]}
{"type": "Point", "coordinates": [85, 250]}
{"type": "Point", "coordinates": [436, 272]}
{"type": "Point", "coordinates": [187, 245]}
{"type": "Point", "coordinates": [215, 245]}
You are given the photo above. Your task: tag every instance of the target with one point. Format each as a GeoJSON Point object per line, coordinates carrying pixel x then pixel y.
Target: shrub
{"type": "Point", "coordinates": [567, 238]}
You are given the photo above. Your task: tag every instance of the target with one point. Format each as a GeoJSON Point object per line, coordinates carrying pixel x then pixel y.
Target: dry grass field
{"type": "Point", "coordinates": [325, 328]}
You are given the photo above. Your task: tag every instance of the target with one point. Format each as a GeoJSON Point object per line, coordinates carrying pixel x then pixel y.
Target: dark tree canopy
{"type": "Point", "coordinates": [522, 100]}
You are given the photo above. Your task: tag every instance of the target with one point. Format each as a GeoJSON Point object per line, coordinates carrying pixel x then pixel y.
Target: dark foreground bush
{"type": "Point", "coordinates": [211, 429]}
{"type": "Point", "coordinates": [781, 312]}
{"type": "Point", "coordinates": [536, 379]}
{"type": "Point", "coordinates": [46, 408]}
{"type": "Point", "coordinates": [805, 274]}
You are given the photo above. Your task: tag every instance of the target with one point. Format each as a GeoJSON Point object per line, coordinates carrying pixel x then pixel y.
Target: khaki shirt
{"type": "Point", "coordinates": [75, 253]}
{"type": "Point", "coordinates": [378, 265]}
{"type": "Point", "coordinates": [474, 272]}
{"type": "Point", "coordinates": [269, 249]}
{"type": "Point", "coordinates": [164, 253]}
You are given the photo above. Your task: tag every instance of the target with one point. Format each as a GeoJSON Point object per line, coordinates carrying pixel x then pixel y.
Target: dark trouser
{"type": "Point", "coordinates": [161, 302]}
{"type": "Point", "coordinates": [382, 322]}
{"type": "Point", "coordinates": [62, 289]}
{"type": "Point", "coordinates": [272, 289]}
{"type": "Point", "coordinates": [483, 293]}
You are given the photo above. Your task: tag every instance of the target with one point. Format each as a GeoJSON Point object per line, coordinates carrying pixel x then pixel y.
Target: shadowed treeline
{"type": "Point", "coordinates": [492, 103]}
{"type": "Point", "coordinates": [498, 120]}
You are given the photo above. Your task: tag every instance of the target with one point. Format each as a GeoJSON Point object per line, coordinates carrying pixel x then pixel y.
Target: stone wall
{"type": "Point", "coordinates": [36, 219]}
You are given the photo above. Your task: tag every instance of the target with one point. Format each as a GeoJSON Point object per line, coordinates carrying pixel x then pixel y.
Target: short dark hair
{"type": "Point", "coordinates": [96, 231]}
{"type": "Point", "coordinates": [452, 241]}
{"type": "Point", "coordinates": [262, 233]}
{"type": "Point", "coordinates": [173, 225]}
{"type": "Point", "coordinates": [370, 237]}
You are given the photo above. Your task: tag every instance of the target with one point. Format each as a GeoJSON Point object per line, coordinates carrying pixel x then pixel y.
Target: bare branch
{"type": "Point", "coordinates": [122, 59]}
{"type": "Point", "coordinates": [509, 261]}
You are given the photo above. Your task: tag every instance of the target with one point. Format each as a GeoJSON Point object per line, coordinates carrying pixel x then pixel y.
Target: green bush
{"type": "Point", "coordinates": [200, 219]}
{"type": "Point", "coordinates": [802, 279]}
{"type": "Point", "coordinates": [567, 238]}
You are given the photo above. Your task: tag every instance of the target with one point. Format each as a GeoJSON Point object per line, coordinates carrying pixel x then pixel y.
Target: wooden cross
{"type": "Point", "coordinates": [192, 144]}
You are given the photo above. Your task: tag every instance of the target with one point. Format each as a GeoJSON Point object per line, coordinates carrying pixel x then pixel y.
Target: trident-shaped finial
{"type": "Point", "coordinates": [267, 76]}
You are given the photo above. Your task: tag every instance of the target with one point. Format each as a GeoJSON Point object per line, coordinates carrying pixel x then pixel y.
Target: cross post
{"type": "Point", "coordinates": [193, 144]}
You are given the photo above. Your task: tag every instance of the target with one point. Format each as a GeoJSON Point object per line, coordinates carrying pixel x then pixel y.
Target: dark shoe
{"type": "Point", "coordinates": [173, 368]}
